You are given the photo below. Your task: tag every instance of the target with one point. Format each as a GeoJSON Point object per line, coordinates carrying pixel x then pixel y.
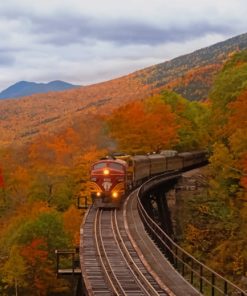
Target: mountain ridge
{"type": "Point", "coordinates": [161, 74]}
{"type": "Point", "coordinates": [27, 88]}
{"type": "Point", "coordinates": [190, 75]}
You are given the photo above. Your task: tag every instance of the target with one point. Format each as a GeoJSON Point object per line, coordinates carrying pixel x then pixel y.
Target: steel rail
{"type": "Point", "coordinates": [137, 273]}
{"type": "Point", "coordinates": [111, 278]}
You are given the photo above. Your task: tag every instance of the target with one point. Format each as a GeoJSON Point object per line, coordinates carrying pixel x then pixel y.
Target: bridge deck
{"type": "Point", "coordinates": [151, 256]}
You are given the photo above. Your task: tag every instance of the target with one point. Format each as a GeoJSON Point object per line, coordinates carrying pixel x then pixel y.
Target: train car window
{"type": "Point", "coordinates": [116, 166]}
{"type": "Point", "coordinates": [100, 165]}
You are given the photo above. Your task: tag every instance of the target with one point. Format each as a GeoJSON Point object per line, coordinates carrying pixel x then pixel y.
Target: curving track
{"type": "Point", "coordinates": [110, 264]}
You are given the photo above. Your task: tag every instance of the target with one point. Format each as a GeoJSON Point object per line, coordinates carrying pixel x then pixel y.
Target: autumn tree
{"type": "Point", "coordinates": [1, 179]}
{"type": "Point", "coordinates": [229, 84]}
{"type": "Point", "coordinates": [72, 221]}
{"type": "Point", "coordinates": [229, 119]}
{"type": "Point", "coordinates": [237, 131]}
{"type": "Point", "coordinates": [2, 191]}
{"type": "Point", "coordinates": [54, 187]}
{"type": "Point", "coordinates": [228, 164]}
{"type": "Point", "coordinates": [37, 230]}
{"type": "Point", "coordinates": [35, 255]}
{"type": "Point", "coordinates": [215, 230]}
{"type": "Point", "coordinates": [143, 126]}
{"type": "Point", "coordinates": [192, 119]}
{"type": "Point", "coordinates": [14, 271]}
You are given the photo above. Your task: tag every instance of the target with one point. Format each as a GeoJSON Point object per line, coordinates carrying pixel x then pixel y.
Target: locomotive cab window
{"type": "Point", "coordinates": [100, 165]}
{"type": "Point", "coordinates": [115, 166]}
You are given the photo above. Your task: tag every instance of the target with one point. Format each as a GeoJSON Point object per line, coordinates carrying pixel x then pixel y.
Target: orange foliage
{"type": "Point", "coordinates": [1, 179]}
{"type": "Point", "coordinates": [204, 74]}
{"type": "Point", "coordinates": [45, 113]}
{"type": "Point", "coordinates": [244, 177]}
{"type": "Point", "coordinates": [72, 220]}
{"type": "Point", "coordinates": [237, 130]}
{"type": "Point", "coordinates": [144, 126]}
{"type": "Point", "coordinates": [36, 257]}
{"type": "Point", "coordinates": [238, 117]}
{"type": "Point", "coordinates": [66, 147]}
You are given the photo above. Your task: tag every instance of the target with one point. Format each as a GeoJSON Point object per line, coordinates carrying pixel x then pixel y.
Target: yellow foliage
{"type": "Point", "coordinates": [72, 221]}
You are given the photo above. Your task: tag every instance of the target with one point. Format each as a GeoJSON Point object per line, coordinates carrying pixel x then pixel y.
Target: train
{"type": "Point", "coordinates": [113, 177]}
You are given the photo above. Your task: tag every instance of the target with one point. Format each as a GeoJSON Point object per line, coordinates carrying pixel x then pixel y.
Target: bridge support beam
{"type": "Point", "coordinates": [164, 213]}
{"type": "Point", "coordinates": [156, 205]}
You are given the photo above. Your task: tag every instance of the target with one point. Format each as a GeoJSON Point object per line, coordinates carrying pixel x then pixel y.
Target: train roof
{"type": "Point", "coordinates": [139, 157]}
{"type": "Point", "coordinates": [169, 153]}
{"type": "Point", "coordinates": [156, 156]}
{"type": "Point", "coordinates": [198, 152]}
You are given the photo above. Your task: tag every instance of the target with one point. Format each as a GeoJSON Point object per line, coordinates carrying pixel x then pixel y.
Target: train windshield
{"type": "Point", "coordinates": [116, 166]}
{"type": "Point", "coordinates": [100, 165]}
{"type": "Point", "coordinates": [111, 165]}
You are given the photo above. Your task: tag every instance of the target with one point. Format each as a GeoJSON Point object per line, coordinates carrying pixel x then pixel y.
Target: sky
{"type": "Point", "coordinates": [89, 41]}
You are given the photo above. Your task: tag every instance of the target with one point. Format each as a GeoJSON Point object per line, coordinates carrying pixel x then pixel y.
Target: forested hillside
{"type": "Point", "coordinates": [23, 119]}
{"type": "Point", "coordinates": [192, 75]}
{"type": "Point", "coordinates": [216, 232]}
{"type": "Point", "coordinates": [41, 179]}
{"type": "Point", "coordinates": [189, 75]}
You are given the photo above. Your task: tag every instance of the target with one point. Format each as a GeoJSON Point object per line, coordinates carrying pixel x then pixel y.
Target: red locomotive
{"type": "Point", "coordinates": [108, 182]}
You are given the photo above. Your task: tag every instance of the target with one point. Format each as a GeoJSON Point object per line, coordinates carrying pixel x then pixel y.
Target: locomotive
{"type": "Point", "coordinates": [113, 177]}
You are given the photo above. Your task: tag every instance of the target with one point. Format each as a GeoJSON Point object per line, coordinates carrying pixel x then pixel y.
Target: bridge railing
{"type": "Point", "coordinates": [204, 279]}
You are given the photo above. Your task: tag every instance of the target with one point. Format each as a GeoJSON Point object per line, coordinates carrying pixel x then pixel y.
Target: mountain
{"type": "Point", "coordinates": [26, 88]}
{"type": "Point", "coordinates": [190, 75]}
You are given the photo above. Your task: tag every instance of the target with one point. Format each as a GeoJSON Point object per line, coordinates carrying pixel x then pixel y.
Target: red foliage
{"type": "Point", "coordinates": [34, 252]}
{"type": "Point", "coordinates": [36, 257]}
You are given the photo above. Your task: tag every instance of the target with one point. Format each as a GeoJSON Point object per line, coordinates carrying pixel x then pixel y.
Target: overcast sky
{"type": "Point", "coordinates": [88, 41]}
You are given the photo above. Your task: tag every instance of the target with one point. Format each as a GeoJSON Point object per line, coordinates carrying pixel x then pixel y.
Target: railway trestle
{"type": "Point", "coordinates": [131, 251]}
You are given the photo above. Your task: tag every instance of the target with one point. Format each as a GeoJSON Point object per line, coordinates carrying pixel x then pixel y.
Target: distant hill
{"type": "Point", "coordinates": [190, 75]}
{"type": "Point", "coordinates": [26, 88]}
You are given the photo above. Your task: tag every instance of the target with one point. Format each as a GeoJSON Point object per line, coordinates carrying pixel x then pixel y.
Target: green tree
{"type": "Point", "coordinates": [14, 271]}
{"type": "Point", "coordinates": [192, 119]}
{"type": "Point", "coordinates": [228, 85]}
{"type": "Point", "coordinates": [55, 187]}
{"type": "Point", "coordinates": [49, 227]}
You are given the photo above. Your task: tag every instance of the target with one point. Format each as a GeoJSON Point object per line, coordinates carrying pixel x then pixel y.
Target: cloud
{"type": "Point", "coordinates": [90, 41]}
{"type": "Point", "coordinates": [6, 59]}
{"type": "Point", "coordinates": [64, 30]}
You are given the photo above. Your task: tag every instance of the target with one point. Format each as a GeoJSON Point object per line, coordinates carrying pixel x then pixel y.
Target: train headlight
{"type": "Point", "coordinates": [114, 194]}
{"type": "Point", "coordinates": [106, 172]}
{"type": "Point", "coordinates": [98, 194]}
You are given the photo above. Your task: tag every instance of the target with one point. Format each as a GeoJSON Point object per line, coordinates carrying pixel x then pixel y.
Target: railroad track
{"type": "Point", "coordinates": [111, 264]}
